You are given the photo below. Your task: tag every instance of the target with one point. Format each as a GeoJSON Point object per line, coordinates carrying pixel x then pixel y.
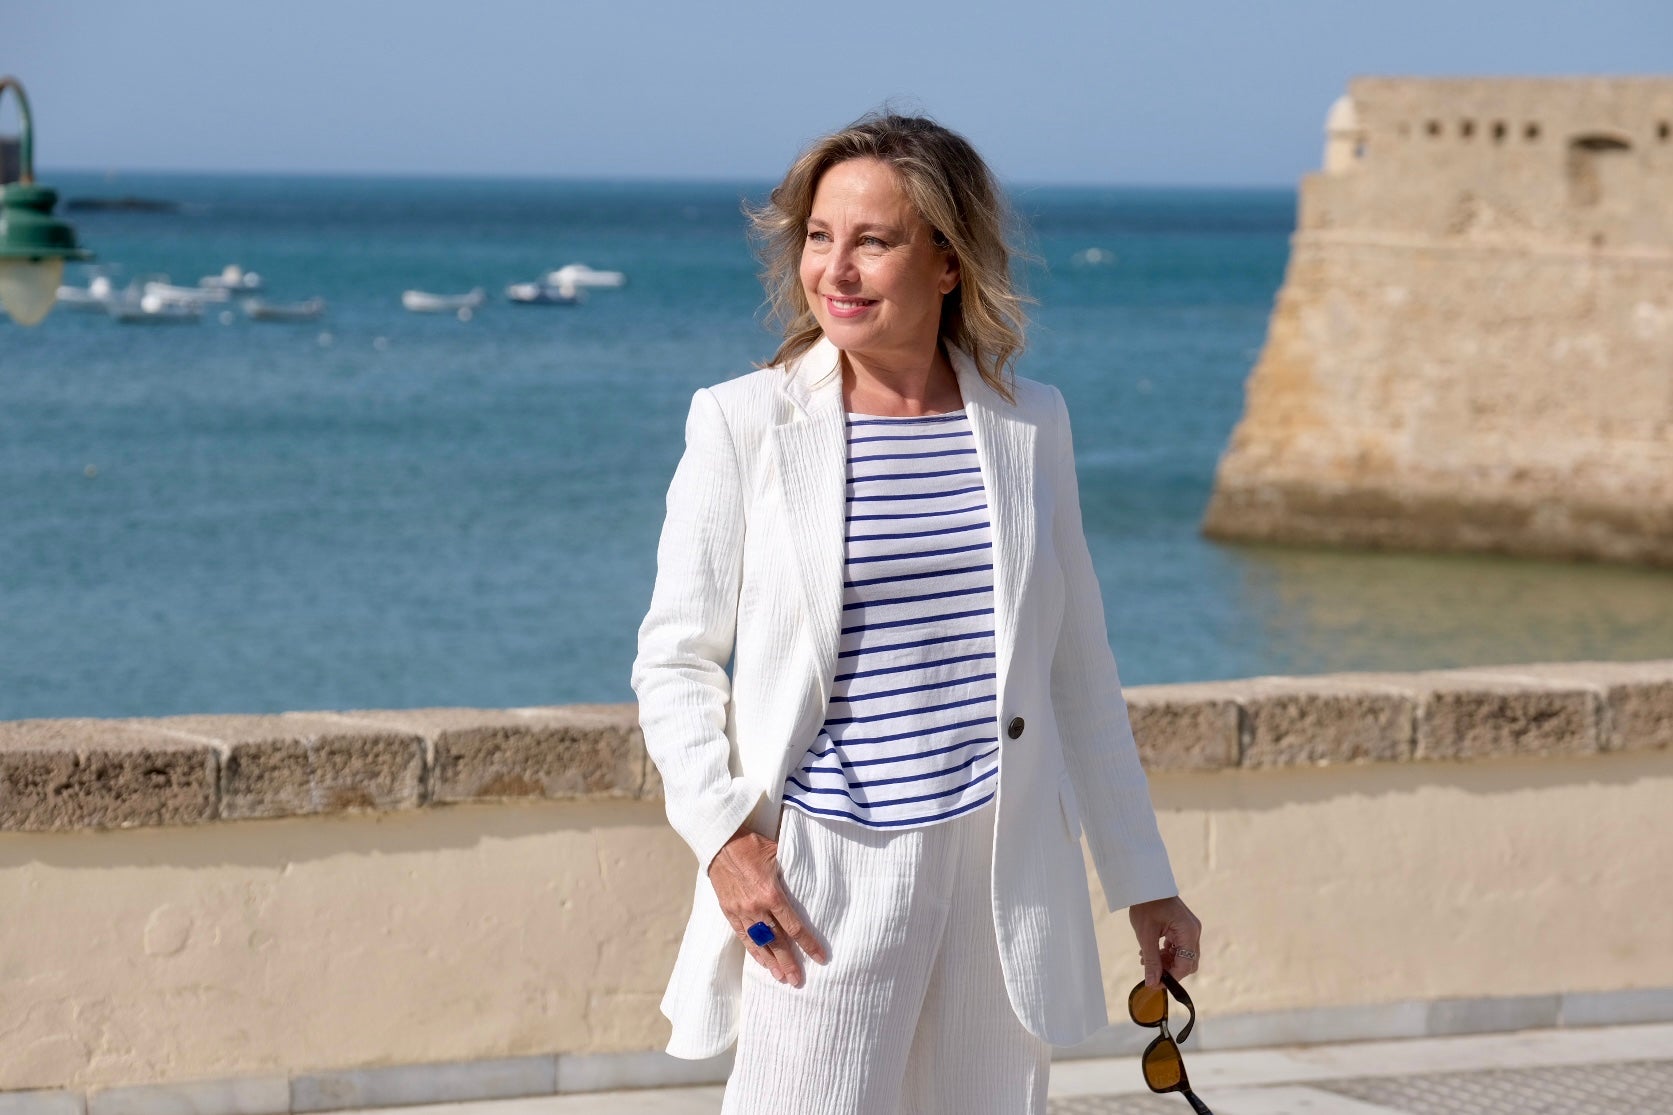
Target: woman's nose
{"type": "Point", "coordinates": [842, 267]}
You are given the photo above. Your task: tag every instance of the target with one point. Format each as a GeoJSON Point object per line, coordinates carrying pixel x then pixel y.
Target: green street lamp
{"type": "Point", "coordinates": [33, 244]}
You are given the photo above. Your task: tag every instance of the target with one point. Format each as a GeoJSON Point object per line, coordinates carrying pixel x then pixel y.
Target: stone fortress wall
{"type": "Point", "coordinates": [1473, 345]}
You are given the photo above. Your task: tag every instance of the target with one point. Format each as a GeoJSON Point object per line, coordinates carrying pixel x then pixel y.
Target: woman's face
{"type": "Point", "coordinates": [872, 275]}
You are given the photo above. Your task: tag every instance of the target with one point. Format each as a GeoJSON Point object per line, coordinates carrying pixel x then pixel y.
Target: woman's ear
{"type": "Point", "coordinates": [950, 276]}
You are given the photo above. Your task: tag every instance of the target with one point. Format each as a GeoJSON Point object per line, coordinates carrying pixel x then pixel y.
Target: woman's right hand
{"type": "Point", "coordinates": [747, 882]}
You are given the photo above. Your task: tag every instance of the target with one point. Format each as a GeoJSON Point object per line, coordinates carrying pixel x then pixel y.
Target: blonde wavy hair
{"type": "Point", "coordinates": [956, 194]}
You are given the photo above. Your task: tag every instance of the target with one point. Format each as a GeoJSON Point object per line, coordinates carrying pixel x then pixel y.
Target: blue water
{"type": "Point", "coordinates": [384, 509]}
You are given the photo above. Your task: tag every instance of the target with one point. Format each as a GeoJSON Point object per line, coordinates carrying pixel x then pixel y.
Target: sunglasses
{"type": "Point", "coordinates": [1164, 1069]}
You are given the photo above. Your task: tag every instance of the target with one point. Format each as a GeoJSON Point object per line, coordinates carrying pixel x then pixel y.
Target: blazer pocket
{"type": "Point", "coordinates": [1071, 805]}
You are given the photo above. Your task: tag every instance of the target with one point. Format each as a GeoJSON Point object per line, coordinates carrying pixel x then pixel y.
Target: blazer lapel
{"type": "Point", "coordinates": [811, 455]}
{"type": "Point", "coordinates": [1005, 451]}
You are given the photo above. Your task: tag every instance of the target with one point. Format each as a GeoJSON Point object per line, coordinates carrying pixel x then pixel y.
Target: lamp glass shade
{"type": "Point", "coordinates": [29, 287]}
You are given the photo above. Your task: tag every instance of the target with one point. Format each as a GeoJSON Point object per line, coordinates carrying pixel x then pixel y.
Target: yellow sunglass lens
{"type": "Point", "coordinates": [1148, 1005]}
{"type": "Point", "coordinates": [1162, 1067]}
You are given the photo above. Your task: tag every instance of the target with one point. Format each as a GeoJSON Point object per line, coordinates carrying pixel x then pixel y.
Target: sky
{"type": "Point", "coordinates": [1164, 92]}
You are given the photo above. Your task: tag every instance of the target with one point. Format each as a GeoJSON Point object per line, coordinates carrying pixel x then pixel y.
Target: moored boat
{"type": "Point", "coordinates": [542, 294]}
{"type": "Point", "coordinates": [233, 279]}
{"type": "Point", "coordinates": [307, 310]}
{"type": "Point", "coordinates": [152, 310]}
{"type": "Point", "coordinates": [580, 275]}
{"type": "Point", "coordinates": [423, 302]}
{"type": "Point", "coordinates": [184, 295]}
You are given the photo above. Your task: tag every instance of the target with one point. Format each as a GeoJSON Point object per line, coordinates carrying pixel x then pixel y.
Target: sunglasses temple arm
{"type": "Point", "coordinates": [1197, 1105]}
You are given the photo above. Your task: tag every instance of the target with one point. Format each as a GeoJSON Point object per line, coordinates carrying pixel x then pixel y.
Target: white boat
{"type": "Point", "coordinates": [307, 310]}
{"type": "Point", "coordinates": [95, 297]}
{"type": "Point", "coordinates": [421, 302]}
{"type": "Point", "coordinates": [233, 279]}
{"type": "Point", "coordinates": [184, 295]}
{"type": "Point", "coordinates": [541, 294]}
{"type": "Point", "coordinates": [152, 310]}
{"type": "Point", "coordinates": [580, 275]}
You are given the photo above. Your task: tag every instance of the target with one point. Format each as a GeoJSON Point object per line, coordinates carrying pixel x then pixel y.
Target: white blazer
{"type": "Point", "coordinates": [749, 565]}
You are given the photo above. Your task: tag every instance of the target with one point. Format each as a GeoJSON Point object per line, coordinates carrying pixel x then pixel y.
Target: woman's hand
{"type": "Point", "coordinates": [1170, 936]}
{"type": "Point", "coordinates": [750, 889]}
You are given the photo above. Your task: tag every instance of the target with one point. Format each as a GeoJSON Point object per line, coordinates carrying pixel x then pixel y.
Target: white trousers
{"type": "Point", "coordinates": [910, 1017]}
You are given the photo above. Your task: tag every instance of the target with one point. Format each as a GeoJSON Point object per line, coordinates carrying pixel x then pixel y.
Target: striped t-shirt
{"type": "Point", "coordinates": [909, 736]}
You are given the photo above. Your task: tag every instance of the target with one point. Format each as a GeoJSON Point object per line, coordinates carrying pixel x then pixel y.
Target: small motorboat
{"type": "Point", "coordinates": [421, 302]}
{"type": "Point", "coordinates": [233, 279]}
{"type": "Point", "coordinates": [542, 294]}
{"type": "Point", "coordinates": [184, 295]}
{"type": "Point", "coordinates": [152, 310]}
{"type": "Point", "coordinates": [95, 297]}
{"type": "Point", "coordinates": [580, 275]}
{"type": "Point", "coordinates": [307, 310]}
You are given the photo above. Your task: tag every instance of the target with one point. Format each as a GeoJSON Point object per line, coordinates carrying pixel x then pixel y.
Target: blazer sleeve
{"type": "Point", "coordinates": [685, 641]}
{"type": "Point", "coordinates": [1098, 745]}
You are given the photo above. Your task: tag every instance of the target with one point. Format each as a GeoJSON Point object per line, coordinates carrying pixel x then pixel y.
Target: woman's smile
{"type": "Point", "coordinates": [848, 307]}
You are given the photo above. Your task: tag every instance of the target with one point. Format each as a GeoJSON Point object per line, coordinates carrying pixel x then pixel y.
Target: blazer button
{"type": "Point", "coordinates": [1014, 728]}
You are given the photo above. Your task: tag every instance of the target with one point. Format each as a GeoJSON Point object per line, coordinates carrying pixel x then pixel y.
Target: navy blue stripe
{"type": "Point", "coordinates": [912, 475]}
{"type": "Point", "coordinates": [909, 456]}
{"type": "Point", "coordinates": [855, 764]}
{"type": "Point", "coordinates": [806, 808]}
{"type": "Point", "coordinates": [896, 715]}
{"type": "Point", "coordinates": [854, 439]}
{"type": "Point", "coordinates": [919, 643]}
{"type": "Point", "coordinates": [851, 698]}
{"type": "Point", "coordinates": [913, 533]}
{"type": "Point", "coordinates": [917, 576]}
{"type": "Point", "coordinates": [852, 518]}
{"type": "Point", "coordinates": [912, 666]}
{"type": "Point", "coordinates": [902, 419]}
{"type": "Point", "coordinates": [920, 554]}
{"type": "Point", "coordinates": [918, 619]}
{"type": "Point", "coordinates": [983, 777]}
{"type": "Point", "coordinates": [915, 599]}
{"type": "Point", "coordinates": [918, 733]}
{"type": "Point", "coordinates": [970, 762]}
{"type": "Point", "coordinates": [923, 495]}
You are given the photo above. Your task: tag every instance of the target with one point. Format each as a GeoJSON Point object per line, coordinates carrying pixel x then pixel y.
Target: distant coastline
{"type": "Point", "coordinates": [121, 205]}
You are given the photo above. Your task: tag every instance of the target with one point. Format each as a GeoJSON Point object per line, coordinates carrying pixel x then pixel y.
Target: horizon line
{"type": "Point", "coordinates": [43, 176]}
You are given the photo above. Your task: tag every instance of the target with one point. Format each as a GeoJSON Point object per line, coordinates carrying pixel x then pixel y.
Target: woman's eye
{"type": "Point", "coordinates": [872, 241]}
{"type": "Point", "coordinates": [815, 234]}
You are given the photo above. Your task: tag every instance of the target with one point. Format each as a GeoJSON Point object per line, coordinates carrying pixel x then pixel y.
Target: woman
{"type": "Point", "coordinates": [882, 530]}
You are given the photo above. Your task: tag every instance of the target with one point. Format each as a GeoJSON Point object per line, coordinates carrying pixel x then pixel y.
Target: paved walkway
{"type": "Point", "coordinates": [1611, 1070]}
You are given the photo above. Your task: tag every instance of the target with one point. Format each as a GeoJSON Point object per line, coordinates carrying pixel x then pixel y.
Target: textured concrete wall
{"type": "Point", "coordinates": [1349, 840]}
{"type": "Point", "coordinates": [1473, 345]}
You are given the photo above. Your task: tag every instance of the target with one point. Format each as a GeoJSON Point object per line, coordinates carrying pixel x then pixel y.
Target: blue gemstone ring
{"type": "Point", "coordinates": [762, 933]}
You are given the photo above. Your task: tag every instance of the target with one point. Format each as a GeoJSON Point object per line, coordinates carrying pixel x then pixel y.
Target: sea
{"type": "Point", "coordinates": [384, 509]}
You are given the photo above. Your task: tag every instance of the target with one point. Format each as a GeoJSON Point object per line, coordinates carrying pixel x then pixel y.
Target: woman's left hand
{"type": "Point", "coordinates": [1170, 936]}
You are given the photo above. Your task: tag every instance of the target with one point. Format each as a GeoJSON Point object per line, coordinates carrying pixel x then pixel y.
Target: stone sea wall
{"type": "Point", "coordinates": [73, 774]}
{"type": "Point", "coordinates": [309, 911]}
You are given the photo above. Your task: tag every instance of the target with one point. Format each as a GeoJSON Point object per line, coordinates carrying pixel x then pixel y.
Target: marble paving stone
{"type": "Point", "coordinates": [424, 1084]}
{"type": "Point", "coordinates": [257, 1095]}
{"type": "Point", "coordinates": [42, 1102]}
{"type": "Point", "coordinates": [1642, 1088]}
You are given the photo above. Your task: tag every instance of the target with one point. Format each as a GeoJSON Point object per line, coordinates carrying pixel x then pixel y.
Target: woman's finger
{"type": "Point", "coordinates": [787, 916]}
{"type": "Point", "coordinates": [1183, 948]}
{"type": "Point", "coordinates": [1150, 955]}
{"type": "Point", "coordinates": [761, 955]}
